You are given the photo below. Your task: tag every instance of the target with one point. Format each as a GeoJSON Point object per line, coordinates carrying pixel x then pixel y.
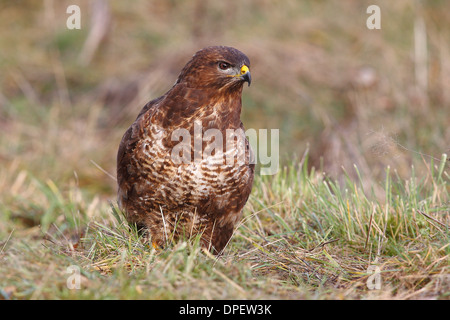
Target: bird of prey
{"type": "Point", "coordinates": [179, 173]}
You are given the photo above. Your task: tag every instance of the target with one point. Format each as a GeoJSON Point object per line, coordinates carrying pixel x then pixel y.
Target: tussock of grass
{"type": "Point", "coordinates": [322, 234]}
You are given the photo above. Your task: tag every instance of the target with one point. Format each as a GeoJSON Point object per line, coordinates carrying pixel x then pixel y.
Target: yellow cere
{"type": "Point", "coordinates": [244, 69]}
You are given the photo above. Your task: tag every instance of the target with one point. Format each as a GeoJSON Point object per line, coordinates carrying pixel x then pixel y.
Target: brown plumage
{"type": "Point", "coordinates": [205, 193]}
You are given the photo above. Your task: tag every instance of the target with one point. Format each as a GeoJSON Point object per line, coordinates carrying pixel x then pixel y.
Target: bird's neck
{"type": "Point", "coordinates": [226, 109]}
{"type": "Point", "coordinates": [218, 109]}
{"type": "Point", "coordinates": [233, 114]}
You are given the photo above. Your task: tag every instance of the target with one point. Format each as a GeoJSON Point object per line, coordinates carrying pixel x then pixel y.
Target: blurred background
{"type": "Point", "coordinates": [349, 95]}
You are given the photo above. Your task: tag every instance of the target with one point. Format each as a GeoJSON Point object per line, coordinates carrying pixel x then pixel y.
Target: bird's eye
{"type": "Point", "coordinates": [224, 65]}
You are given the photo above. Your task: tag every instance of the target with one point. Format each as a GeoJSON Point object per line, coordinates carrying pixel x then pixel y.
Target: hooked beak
{"type": "Point", "coordinates": [245, 74]}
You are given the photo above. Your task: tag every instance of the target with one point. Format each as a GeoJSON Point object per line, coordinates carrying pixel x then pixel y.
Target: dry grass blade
{"type": "Point", "coordinates": [433, 219]}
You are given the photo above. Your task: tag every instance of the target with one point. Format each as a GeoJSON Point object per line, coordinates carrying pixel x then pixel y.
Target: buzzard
{"type": "Point", "coordinates": [175, 179]}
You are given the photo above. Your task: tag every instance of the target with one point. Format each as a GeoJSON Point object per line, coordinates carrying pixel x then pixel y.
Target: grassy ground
{"type": "Point", "coordinates": [302, 236]}
{"type": "Point", "coordinates": [322, 228]}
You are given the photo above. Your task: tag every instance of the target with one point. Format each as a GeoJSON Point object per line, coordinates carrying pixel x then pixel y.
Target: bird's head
{"type": "Point", "coordinates": [217, 67]}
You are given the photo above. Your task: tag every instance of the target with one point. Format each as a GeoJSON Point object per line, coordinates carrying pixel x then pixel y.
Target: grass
{"type": "Point", "coordinates": [370, 194]}
{"type": "Point", "coordinates": [302, 236]}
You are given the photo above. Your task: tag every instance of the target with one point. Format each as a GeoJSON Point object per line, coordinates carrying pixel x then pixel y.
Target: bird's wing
{"type": "Point", "coordinates": [128, 143]}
